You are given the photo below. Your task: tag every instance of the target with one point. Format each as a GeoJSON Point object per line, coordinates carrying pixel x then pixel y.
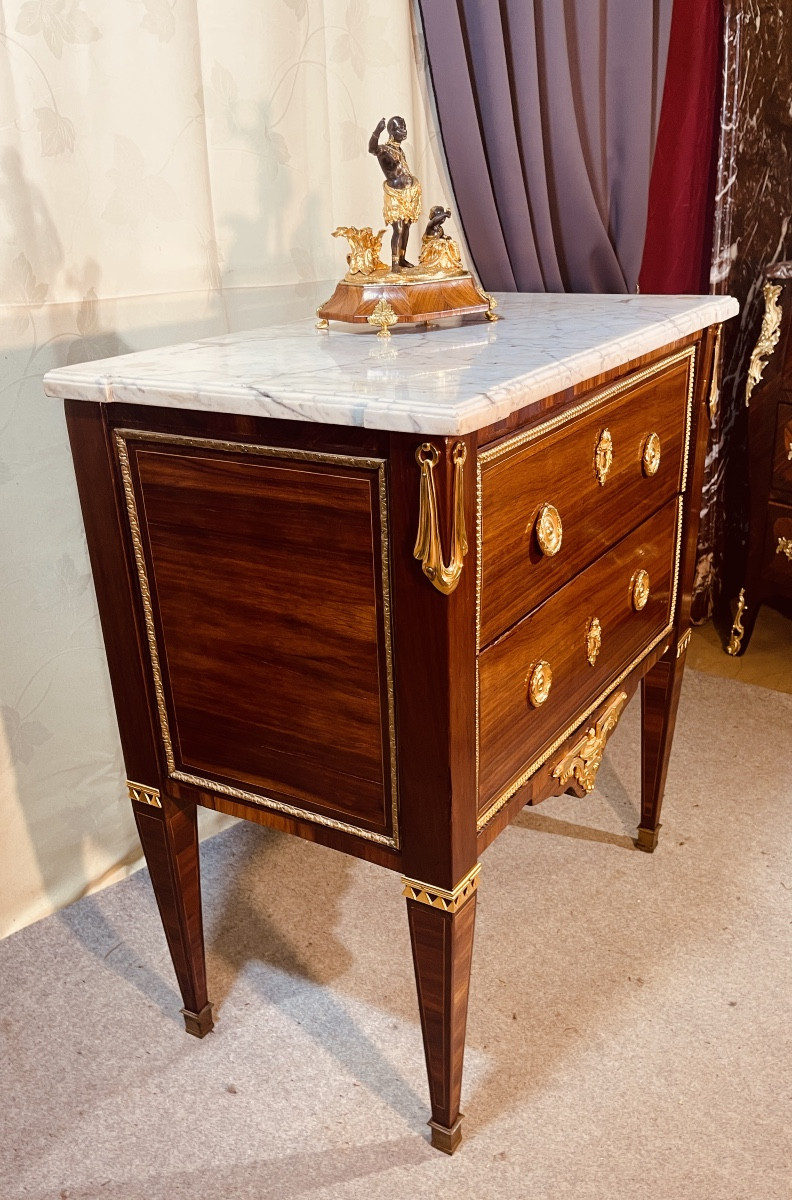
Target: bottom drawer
{"type": "Point", "coordinates": [552, 666]}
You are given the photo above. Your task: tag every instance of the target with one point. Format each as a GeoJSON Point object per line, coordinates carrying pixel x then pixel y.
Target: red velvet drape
{"type": "Point", "coordinates": [678, 243]}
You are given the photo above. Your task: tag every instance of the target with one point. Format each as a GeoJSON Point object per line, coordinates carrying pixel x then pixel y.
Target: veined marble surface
{"type": "Point", "coordinates": [442, 381]}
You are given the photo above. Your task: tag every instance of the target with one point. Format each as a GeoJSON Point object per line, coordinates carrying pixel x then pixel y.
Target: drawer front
{"type": "Point", "coordinates": [516, 722]}
{"type": "Point", "coordinates": [778, 548]}
{"type": "Point", "coordinates": [588, 470]}
{"type": "Point", "coordinates": [263, 577]}
{"type": "Point", "coordinates": [782, 457]}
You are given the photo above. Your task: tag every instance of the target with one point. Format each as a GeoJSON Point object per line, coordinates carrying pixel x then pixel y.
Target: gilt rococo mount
{"type": "Point", "coordinates": [438, 286]}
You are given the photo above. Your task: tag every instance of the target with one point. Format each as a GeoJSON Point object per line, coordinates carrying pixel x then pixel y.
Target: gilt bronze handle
{"type": "Point", "coordinates": [650, 457]}
{"type": "Point", "coordinates": [539, 680]}
{"type": "Point", "coordinates": [639, 589]}
{"type": "Point", "coordinates": [549, 530]}
{"type": "Point", "coordinates": [603, 456]}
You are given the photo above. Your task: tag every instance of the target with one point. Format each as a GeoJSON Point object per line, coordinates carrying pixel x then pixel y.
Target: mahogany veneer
{"type": "Point", "coordinates": [277, 652]}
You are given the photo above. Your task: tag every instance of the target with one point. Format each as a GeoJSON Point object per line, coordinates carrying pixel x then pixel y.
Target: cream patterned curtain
{"type": "Point", "coordinates": [169, 169]}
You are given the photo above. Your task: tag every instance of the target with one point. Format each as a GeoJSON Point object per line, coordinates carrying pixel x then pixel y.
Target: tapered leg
{"type": "Point", "coordinates": [169, 835]}
{"type": "Point", "coordinates": [442, 945]}
{"type": "Point", "coordinates": [660, 689]}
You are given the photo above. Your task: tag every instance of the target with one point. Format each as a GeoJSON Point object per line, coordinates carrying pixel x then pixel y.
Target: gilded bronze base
{"type": "Point", "coordinates": [445, 1139]}
{"type": "Point", "coordinates": [647, 839]}
{"type": "Point", "coordinates": [199, 1024]}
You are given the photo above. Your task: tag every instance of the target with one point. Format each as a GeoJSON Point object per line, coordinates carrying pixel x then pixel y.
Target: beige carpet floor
{"type": "Point", "coordinates": [630, 1030]}
{"type": "Point", "coordinates": [767, 661]}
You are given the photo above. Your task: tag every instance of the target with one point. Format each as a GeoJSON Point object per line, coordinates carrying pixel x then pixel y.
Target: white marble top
{"type": "Point", "coordinates": [449, 380]}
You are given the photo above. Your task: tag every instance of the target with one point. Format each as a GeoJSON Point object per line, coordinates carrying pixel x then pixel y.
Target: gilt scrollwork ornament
{"type": "Point", "coordinates": [603, 456]}
{"type": "Point", "coordinates": [650, 456]}
{"type": "Point", "coordinates": [490, 314]}
{"type": "Point", "coordinates": [593, 640]}
{"type": "Point", "coordinates": [768, 337]}
{"type": "Point", "coordinates": [428, 544]}
{"type": "Point", "coordinates": [549, 530]}
{"type": "Point", "coordinates": [715, 382]}
{"type": "Point", "coordinates": [737, 632]}
{"type": "Point", "coordinates": [383, 316]}
{"type": "Point", "coordinates": [539, 681]}
{"type": "Point", "coordinates": [582, 762]}
{"type": "Point", "coordinates": [365, 248]}
{"type": "Point", "coordinates": [785, 547]}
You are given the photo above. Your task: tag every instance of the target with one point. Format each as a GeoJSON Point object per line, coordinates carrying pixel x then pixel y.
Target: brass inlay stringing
{"type": "Point", "coordinates": [768, 337]}
{"type": "Point", "coordinates": [683, 643]}
{"type": "Point", "coordinates": [144, 794]}
{"type": "Point", "coordinates": [122, 436]}
{"type": "Point", "coordinates": [583, 760]}
{"type": "Point", "coordinates": [428, 544]}
{"type": "Point", "coordinates": [593, 640]}
{"type": "Point", "coordinates": [549, 530]}
{"type": "Point", "coordinates": [539, 680]}
{"type": "Point", "coordinates": [735, 641]}
{"type": "Point", "coordinates": [639, 589]}
{"type": "Point", "coordinates": [603, 456]}
{"type": "Point", "coordinates": [785, 547]}
{"type": "Point", "coordinates": [494, 807]}
{"type": "Point", "coordinates": [384, 317]}
{"type": "Point", "coordinates": [650, 457]}
{"type": "Point", "coordinates": [715, 381]}
{"type": "Point", "coordinates": [145, 594]}
{"type": "Point", "coordinates": [427, 893]}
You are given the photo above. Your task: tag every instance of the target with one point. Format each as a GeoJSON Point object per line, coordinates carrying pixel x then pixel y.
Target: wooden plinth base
{"type": "Point", "coordinates": [413, 301]}
{"type": "Point", "coordinates": [199, 1024]}
{"type": "Point", "coordinates": [445, 1139]}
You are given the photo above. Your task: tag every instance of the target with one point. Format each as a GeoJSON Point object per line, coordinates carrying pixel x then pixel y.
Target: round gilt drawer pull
{"type": "Point", "coordinates": [639, 590]}
{"type": "Point", "coordinates": [539, 680]}
{"type": "Point", "coordinates": [603, 456]}
{"type": "Point", "coordinates": [593, 640]}
{"type": "Point", "coordinates": [549, 530]}
{"type": "Point", "coordinates": [650, 458]}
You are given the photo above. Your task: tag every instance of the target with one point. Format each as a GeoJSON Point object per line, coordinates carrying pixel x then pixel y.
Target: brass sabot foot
{"type": "Point", "coordinates": [199, 1024]}
{"type": "Point", "coordinates": [446, 1139]}
{"type": "Point", "coordinates": [647, 839]}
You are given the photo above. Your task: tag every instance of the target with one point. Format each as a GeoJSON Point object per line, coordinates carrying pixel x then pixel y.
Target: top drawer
{"type": "Point", "coordinates": [555, 497]}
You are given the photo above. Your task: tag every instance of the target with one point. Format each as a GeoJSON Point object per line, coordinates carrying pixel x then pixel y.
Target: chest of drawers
{"type": "Point", "coordinates": [768, 573]}
{"type": "Point", "coordinates": [381, 595]}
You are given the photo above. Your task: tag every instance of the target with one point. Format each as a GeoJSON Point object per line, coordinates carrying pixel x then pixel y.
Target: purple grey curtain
{"type": "Point", "coordinates": [549, 111]}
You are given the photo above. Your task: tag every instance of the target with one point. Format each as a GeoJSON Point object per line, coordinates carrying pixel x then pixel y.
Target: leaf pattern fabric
{"type": "Point", "coordinates": [166, 172]}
